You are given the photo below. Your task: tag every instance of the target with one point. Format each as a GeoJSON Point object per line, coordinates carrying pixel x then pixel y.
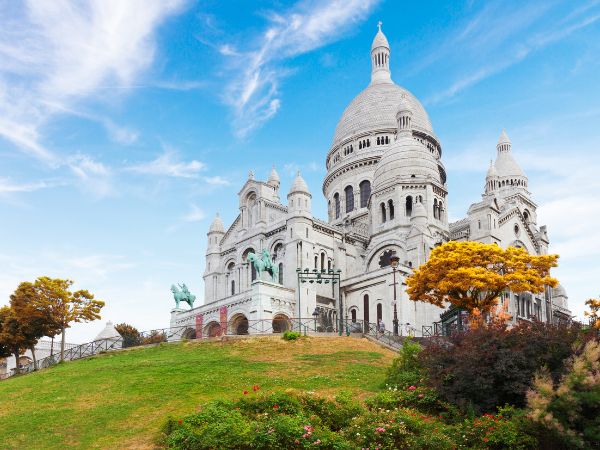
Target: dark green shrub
{"type": "Point", "coordinates": [290, 335]}
{"type": "Point", "coordinates": [422, 399]}
{"type": "Point", "coordinates": [406, 369]}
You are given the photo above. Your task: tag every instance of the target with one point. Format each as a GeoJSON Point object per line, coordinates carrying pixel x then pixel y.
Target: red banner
{"type": "Point", "coordinates": [223, 319]}
{"type": "Point", "coordinates": [199, 318]}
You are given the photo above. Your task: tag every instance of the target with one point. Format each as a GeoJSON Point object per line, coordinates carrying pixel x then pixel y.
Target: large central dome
{"type": "Point", "coordinates": [375, 108]}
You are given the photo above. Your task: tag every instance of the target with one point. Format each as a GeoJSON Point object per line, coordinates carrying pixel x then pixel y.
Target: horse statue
{"type": "Point", "coordinates": [183, 295]}
{"type": "Point", "coordinates": [264, 264]}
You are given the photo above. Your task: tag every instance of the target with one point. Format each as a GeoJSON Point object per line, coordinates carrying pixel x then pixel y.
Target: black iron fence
{"type": "Point", "coordinates": [252, 327]}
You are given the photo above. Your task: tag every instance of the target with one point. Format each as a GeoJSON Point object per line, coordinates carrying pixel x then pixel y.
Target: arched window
{"type": "Point", "coordinates": [336, 201]}
{"type": "Point", "coordinates": [378, 140]}
{"type": "Point", "coordinates": [349, 193]}
{"type": "Point", "coordinates": [365, 193]}
{"type": "Point", "coordinates": [322, 261]}
{"type": "Point", "coordinates": [353, 315]}
{"type": "Point", "coordinates": [328, 265]}
{"type": "Point", "coordinates": [383, 219]}
{"type": "Point", "coordinates": [232, 287]}
{"type": "Point", "coordinates": [409, 206]}
{"type": "Point", "coordinates": [387, 140]}
{"type": "Point", "coordinates": [391, 209]}
{"type": "Point", "coordinates": [379, 312]}
{"type": "Point", "coordinates": [435, 209]}
{"type": "Point", "coordinates": [526, 216]}
{"type": "Point", "coordinates": [280, 273]}
{"type": "Point", "coordinates": [253, 272]}
{"type": "Point", "coordinates": [440, 210]}
{"type": "Point", "coordinates": [316, 262]}
{"type": "Point", "coordinates": [366, 308]}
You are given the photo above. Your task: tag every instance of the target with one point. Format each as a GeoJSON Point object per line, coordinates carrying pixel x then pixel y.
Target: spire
{"type": "Point", "coordinates": [380, 58]}
{"type": "Point", "coordinates": [404, 116]}
{"type": "Point", "coordinates": [299, 185]}
{"type": "Point", "coordinates": [273, 178]}
{"type": "Point", "coordinates": [217, 225]}
{"type": "Point", "coordinates": [492, 172]}
{"type": "Point", "coordinates": [504, 144]}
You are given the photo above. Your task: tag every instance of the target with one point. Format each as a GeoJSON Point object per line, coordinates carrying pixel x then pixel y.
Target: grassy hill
{"type": "Point", "coordinates": [120, 400]}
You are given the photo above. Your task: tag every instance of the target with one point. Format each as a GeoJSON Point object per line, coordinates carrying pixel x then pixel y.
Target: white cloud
{"type": "Point", "coordinates": [254, 94]}
{"type": "Point", "coordinates": [57, 52]}
{"type": "Point", "coordinates": [194, 215]}
{"type": "Point", "coordinates": [92, 176]}
{"type": "Point", "coordinates": [169, 165]}
{"type": "Point", "coordinates": [490, 29]}
{"type": "Point", "coordinates": [9, 187]}
{"type": "Point", "coordinates": [217, 180]}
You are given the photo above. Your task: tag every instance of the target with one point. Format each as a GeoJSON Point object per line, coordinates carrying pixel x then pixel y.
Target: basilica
{"type": "Point", "coordinates": [387, 200]}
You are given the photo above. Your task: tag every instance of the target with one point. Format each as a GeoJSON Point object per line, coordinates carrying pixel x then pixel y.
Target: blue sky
{"type": "Point", "coordinates": [125, 125]}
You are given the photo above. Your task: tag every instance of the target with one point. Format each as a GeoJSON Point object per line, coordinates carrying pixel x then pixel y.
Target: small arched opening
{"type": "Point", "coordinates": [409, 206]}
{"type": "Point", "coordinates": [212, 329]}
{"type": "Point", "coordinates": [239, 324]}
{"type": "Point", "coordinates": [281, 323]}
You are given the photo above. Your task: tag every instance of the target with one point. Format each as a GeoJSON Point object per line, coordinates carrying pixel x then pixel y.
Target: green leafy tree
{"type": "Point", "coordinates": [65, 306]}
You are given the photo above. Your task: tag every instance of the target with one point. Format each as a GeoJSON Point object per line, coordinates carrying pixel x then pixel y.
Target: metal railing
{"type": "Point", "coordinates": [231, 328]}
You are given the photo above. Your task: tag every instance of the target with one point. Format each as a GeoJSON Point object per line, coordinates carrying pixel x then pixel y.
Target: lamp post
{"type": "Point", "coordinates": [394, 260]}
{"type": "Point", "coordinates": [323, 276]}
{"type": "Point", "coordinates": [315, 314]}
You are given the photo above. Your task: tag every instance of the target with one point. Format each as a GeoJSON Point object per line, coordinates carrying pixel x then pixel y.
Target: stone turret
{"type": "Point", "coordinates": [299, 198]}
{"type": "Point", "coordinates": [213, 258]}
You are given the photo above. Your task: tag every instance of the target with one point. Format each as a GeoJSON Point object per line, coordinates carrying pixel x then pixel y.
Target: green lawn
{"type": "Point", "coordinates": [120, 400]}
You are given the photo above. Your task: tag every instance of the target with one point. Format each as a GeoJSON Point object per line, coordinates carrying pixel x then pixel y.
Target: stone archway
{"type": "Point", "coordinates": [213, 329]}
{"type": "Point", "coordinates": [189, 333]}
{"type": "Point", "coordinates": [281, 323]}
{"type": "Point", "coordinates": [239, 324]}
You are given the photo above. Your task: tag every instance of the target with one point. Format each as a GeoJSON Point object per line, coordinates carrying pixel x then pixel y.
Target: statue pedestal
{"type": "Point", "coordinates": [175, 312]}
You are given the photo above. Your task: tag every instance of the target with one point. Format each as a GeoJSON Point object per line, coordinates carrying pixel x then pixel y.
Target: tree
{"type": "Point", "coordinates": [16, 334]}
{"type": "Point", "coordinates": [594, 313]}
{"type": "Point", "coordinates": [66, 307]}
{"type": "Point", "coordinates": [34, 315]}
{"type": "Point", "coordinates": [130, 334]}
{"type": "Point", "coordinates": [5, 350]}
{"type": "Point", "coordinates": [472, 275]}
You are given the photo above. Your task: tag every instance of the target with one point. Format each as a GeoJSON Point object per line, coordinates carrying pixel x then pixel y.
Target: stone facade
{"type": "Point", "coordinates": [387, 195]}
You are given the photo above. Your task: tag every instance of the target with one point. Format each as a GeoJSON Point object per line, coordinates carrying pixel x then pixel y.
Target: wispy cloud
{"type": "Point", "coordinates": [91, 175]}
{"type": "Point", "coordinates": [8, 187]}
{"type": "Point", "coordinates": [494, 41]}
{"type": "Point", "coordinates": [168, 164]}
{"type": "Point", "coordinates": [254, 95]}
{"type": "Point", "coordinates": [217, 180]}
{"type": "Point", "coordinates": [56, 52]}
{"type": "Point", "coordinates": [195, 214]}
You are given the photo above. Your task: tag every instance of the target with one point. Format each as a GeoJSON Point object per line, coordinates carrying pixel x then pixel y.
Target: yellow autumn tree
{"type": "Point", "coordinates": [594, 312]}
{"type": "Point", "coordinates": [471, 275]}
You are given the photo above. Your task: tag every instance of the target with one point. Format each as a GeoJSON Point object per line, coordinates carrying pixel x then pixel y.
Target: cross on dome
{"type": "Point", "coordinates": [379, 25]}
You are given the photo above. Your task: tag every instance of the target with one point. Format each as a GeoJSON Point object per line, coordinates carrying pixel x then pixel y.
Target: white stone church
{"type": "Point", "coordinates": [387, 197]}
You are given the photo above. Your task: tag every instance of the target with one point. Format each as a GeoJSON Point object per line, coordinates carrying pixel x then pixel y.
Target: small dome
{"type": "Point", "coordinates": [506, 166]}
{"type": "Point", "coordinates": [217, 225]}
{"type": "Point", "coordinates": [108, 332]}
{"type": "Point", "coordinates": [559, 291]}
{"type": "Point", "coordinates": [273, 177]}
{"type": "Point", "coordinates": [299, 185]}
{"type": "Point", "coordinates": [380, 40]}
{"type": "Point", "coordinates": [406, 159]}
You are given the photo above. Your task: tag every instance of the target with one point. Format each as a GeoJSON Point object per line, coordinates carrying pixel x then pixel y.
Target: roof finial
{"type": "Point", "coordinates": [379, 25]}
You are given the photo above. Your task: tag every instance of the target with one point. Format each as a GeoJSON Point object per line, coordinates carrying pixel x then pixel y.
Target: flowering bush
{"type": "Point", "coordinates": [286, 420]}
{"type": "Point", "coordinates": [421, 398]}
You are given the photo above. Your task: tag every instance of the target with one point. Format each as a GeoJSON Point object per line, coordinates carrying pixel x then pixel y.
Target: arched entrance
{"type": "Point", "coordinates": [213, 329]}
{"type": "Point", "coordinates": [281, 323]}
{"type": "Point", "coordinates": [189, 333]}
{"type": "Point", "coordinates": [239, 324]}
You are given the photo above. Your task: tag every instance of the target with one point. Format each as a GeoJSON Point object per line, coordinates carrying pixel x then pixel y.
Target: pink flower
{"type": "Point", "coordinates": [411, 388]}
{"type": "Point", "coordinates": [380, 430]}
{"type": "Point", "coordinates": [307, 427]}
{"type": "Point", "coordinates": [317, 442]}
{"type": "Point", "coordinates": [420, 396]}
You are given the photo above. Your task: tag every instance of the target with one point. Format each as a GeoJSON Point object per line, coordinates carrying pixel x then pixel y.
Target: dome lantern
{"type": "Point", "coordinates": [404, 116]}
{"type": "Point", "coordinates": [273, 178]}
{"type": "Point", "coordinates": [380, 58]}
